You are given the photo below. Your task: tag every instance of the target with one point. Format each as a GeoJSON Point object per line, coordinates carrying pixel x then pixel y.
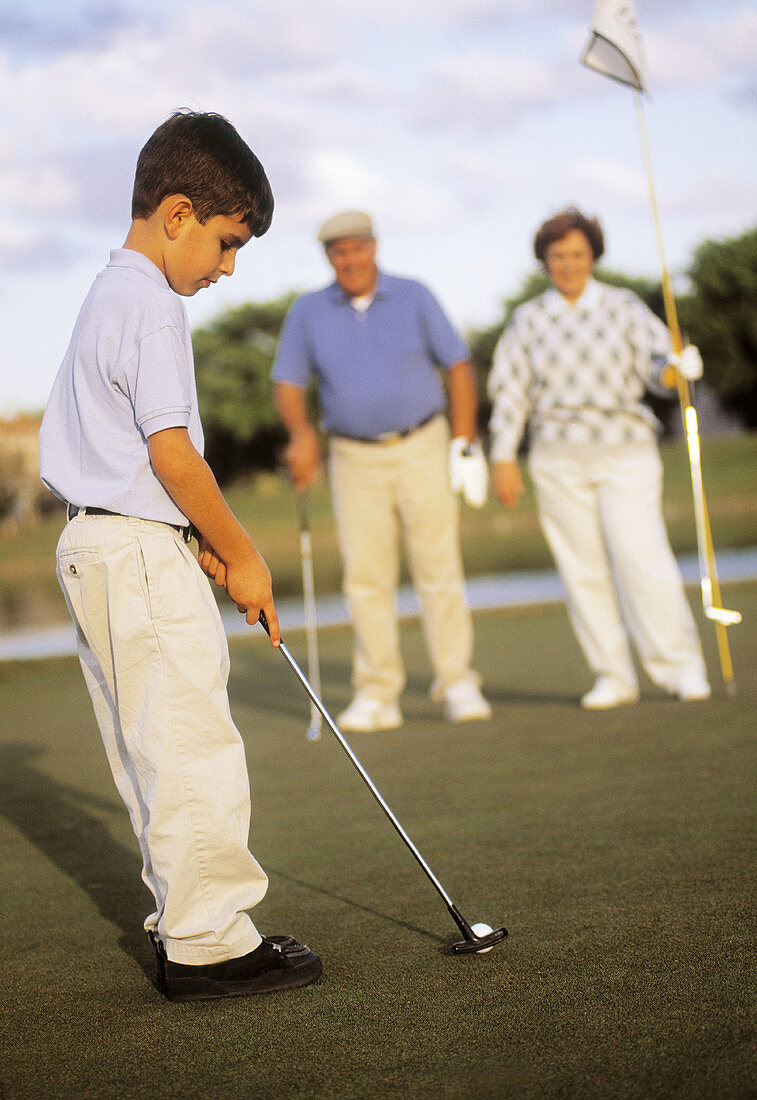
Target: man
{"type": "Point", "coordinates": [376, 345]}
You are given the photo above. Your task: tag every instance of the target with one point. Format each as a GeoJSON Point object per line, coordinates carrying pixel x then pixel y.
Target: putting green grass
{"type": "Point", "coordinates": [616, 847]}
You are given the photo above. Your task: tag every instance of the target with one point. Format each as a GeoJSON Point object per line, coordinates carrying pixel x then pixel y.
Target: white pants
{"type": "Point", "coordinates": [380, 492]}
{"type": "Point", "coordinates": [155, 659]}
{"type": "Point", "coordinates": [601, 512]}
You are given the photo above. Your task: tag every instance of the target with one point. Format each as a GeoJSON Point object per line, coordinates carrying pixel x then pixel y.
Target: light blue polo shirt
{"type": "Point", "coordinates": [377, 370]}
{"type": "Point", "coordinates": [128, 373]}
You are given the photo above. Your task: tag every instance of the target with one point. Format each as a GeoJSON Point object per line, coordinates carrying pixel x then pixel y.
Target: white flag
{"type": "Point", "coordinates": [615, 46]}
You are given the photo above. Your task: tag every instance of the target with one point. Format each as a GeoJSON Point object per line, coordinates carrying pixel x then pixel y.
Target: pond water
{"type": "Point", "coordinates": [53, 635]}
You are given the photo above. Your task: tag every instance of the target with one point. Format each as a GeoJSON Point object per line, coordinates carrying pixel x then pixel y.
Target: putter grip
{"type": "Point", "coordinates": [264, 623]}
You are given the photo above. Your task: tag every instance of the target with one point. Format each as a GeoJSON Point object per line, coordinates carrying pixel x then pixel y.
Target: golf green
{"type": "Point", "coordinates": [616, 847]}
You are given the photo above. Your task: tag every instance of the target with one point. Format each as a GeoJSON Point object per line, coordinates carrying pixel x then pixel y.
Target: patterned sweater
{"type": "Point", "coordinates": [577, 372]}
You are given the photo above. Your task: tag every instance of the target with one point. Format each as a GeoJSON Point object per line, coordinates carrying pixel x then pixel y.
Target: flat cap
{"type": "Point", "coordinates": [348, 223]}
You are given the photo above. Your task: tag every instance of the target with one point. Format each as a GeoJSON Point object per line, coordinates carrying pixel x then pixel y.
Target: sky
{"type": "Point", "coordinates": [460, 125]}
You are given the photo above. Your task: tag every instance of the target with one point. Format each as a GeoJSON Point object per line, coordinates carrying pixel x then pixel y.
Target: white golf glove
{"type": "Point", "coordinates": [468, 471]}
{"type": "Point", "coordinates": [688, 363]}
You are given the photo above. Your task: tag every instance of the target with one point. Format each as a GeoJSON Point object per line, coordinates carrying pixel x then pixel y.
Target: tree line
{"type": "Point", "coordinates": [234, 353]}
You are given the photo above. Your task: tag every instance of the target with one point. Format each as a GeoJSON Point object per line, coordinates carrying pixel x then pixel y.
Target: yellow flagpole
{"type": "Point", "coordinates": [710, 584]}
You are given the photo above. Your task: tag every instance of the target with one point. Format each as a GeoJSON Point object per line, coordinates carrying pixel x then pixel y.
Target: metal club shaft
{"type": "Point", "coordinates": [472, 942]}
{"type": "Point", "coordinates": [311, 629]}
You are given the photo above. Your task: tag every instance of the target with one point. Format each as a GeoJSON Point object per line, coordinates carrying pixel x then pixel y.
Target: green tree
{"type": "Point", "coordinates": [233, 359]}
{"type": "Point", "coordinates": [720, 317]}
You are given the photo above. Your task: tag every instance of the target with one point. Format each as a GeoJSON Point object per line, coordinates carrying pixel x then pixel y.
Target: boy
{"type": "Point", "coordinates": [121, 443]}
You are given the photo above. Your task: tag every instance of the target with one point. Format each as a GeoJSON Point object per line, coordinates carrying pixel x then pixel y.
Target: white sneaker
{"type": "Point", "coordinates": [463, 702]}
{"type": "Point", "coordinates": [608, 693]}
{"type": "Point", "coordinates": [693, 688]}
{"type": "Point", "coordinates": [366, 715]}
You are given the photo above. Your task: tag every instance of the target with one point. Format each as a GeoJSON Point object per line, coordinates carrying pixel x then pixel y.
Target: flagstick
{"type": "Point", "coordinates": [710, 584]}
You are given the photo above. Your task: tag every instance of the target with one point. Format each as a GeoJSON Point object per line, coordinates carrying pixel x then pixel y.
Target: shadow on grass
{"type": "Point", "coordinates": [54, 817]}
{"type": "Point", "coordinates": [445, 944]}
{"type": "Point", "coordinates": [273, 686]}
{"type": "Point", "coordinates": [516, 697]}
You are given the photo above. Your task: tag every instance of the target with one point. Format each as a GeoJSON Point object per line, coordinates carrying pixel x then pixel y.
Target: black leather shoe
{"type": "Point", "coordinates": [280, 962]}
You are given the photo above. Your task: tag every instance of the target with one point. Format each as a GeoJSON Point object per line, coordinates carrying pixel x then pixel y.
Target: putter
{"type": "Point", "coordinates": [707, 570]}
{"type": "Point", "coordinates": [473, 941]}
{"type": "Point", "coordinates": [311, 630]}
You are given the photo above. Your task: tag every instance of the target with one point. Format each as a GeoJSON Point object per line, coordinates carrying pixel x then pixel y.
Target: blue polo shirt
{"type": "Point", "coordinates": [377, 370]}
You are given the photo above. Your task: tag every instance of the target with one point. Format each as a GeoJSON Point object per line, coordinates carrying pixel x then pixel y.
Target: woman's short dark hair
{"type": "Point", "coordinates": [202, 156]}
{"type": "Point", "coordinates": [557, 227]}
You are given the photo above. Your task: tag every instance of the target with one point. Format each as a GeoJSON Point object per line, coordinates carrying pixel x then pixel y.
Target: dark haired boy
{"type": "Point", "coordinates": [121, 443]}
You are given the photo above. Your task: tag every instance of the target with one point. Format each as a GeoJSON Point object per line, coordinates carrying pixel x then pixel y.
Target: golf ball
{"type": "Point", "coordinates": [481, 930]}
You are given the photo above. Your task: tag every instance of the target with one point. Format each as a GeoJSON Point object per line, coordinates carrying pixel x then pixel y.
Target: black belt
{"type": "Point", "coordinates": [73, 510]}
{"type": "Point", "coordinates": [389, 437]}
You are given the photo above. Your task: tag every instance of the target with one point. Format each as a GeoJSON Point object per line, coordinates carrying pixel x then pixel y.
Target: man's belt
{"type": "Point", "coordinates": [389, 437]}
{"type": "Point", "coordinates": [73, 510]}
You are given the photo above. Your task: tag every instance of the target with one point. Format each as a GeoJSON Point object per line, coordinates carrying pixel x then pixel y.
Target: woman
{"type": "Point", "coordinates": [573, 364]}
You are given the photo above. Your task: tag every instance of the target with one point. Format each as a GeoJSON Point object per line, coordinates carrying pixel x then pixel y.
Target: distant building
{"type": "Point", "coordinates": [23, 497]}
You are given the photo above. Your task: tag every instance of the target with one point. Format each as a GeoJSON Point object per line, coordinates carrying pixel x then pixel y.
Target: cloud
{"type": "Point", "coordinates": [37, 187]}
{"type": "Point", "coordinates": [54, 29]}
{"type": "Point", "coordinates": [340, 108]}
{"type": "Point", "coordinates": [14, 236]}
{"type": "Point", "coordinates": [481, 91]}
{"type": "Point", "coordinates": [717, 189]}
{"type": "Point", "coordinates": [104, 173]}
{"type": "Point", "coordinates": [28, 248]}
{"type": "Point", "coordinates": [124, 82]}
{"type": "Point", "coordinates": [481, 181]}
{"type": "Point", "coordinates": [338, 178]}
{"type": "Point", "coordinates": [253, 40]}
{"type": "Point", "coordinates": [681, 51]}
{"type": "Point", "coordinates": [744, 98]}
{"type": "Point", "coordinates": [608, 180]}
{"type": "Point", "coordinates": [335, 179]}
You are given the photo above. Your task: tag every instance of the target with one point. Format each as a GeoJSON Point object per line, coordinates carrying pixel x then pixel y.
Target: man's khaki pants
{"type": "Point", "coordinates": [155, 659]}
{"type": "Point", "coordinates": [381, 492]}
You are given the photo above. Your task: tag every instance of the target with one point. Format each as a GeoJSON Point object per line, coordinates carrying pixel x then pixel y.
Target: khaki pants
{"type": "Point", "coordinates": [155, 659]}
{"type": "Point", "coordinates": [601, 512]}
{"type": "Point", "coordinates": [383, 492]}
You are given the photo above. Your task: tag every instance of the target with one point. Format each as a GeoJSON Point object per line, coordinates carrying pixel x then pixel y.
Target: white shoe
{"type": "Point", "coordinates": [608, 693]}
{"type": "Point", "coordinates": [463, 702]}
{"type": "Point", "coordinates": [367, 715]}
{"type": "Point", "coordinates": [693, 688]}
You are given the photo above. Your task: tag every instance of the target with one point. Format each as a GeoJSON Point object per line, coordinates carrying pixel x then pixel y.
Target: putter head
{"type": "Point", "coordinates": [479, 943]}
{"type": "Point", "coordinates": [720, 615]}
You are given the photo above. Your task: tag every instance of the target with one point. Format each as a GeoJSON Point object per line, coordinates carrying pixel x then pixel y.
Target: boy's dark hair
{"type": "Point", "coordinates": [202, 156]}
{"type": "Point", "coordinates": [557, 227]}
